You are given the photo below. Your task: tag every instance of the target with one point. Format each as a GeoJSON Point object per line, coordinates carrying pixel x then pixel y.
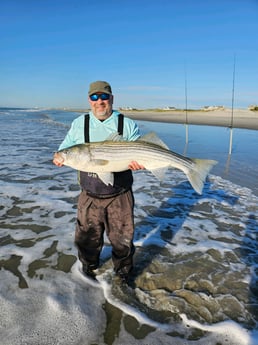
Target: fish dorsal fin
{"type": "Point", "coordinates": [115, 137]}
{"type": "Point", "coordinates": [154, 139]}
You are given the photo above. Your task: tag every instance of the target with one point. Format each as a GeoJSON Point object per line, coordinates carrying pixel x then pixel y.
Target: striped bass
{"type": "Point", "coordinates": [113, 155]}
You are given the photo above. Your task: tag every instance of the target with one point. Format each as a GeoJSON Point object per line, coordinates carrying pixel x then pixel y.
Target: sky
{"type": "Point", "coordinates": [153, 53]}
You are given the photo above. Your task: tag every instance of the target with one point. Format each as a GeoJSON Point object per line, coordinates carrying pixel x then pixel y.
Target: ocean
{"type": "Point", "coordinates": [196, 259]}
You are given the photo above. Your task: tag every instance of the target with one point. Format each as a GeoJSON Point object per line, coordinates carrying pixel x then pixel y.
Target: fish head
{"type": "Point", "coordinates": [73, 155]}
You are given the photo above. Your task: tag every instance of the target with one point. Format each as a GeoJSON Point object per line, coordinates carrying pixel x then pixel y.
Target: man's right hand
{"type": "Point", "coordinates": [57, 160]}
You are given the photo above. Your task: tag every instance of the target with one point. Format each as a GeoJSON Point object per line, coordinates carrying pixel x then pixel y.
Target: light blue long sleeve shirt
{"type": "Point", "coordinates": [99, 131]}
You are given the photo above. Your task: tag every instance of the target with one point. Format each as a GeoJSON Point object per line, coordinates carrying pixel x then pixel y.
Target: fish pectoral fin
{"type": "Point", "coordinates": [159, 173]}
{"type": "Point", "coordinates": [107, 178]}
{"type": "Point", "coordinates": [99, 162]}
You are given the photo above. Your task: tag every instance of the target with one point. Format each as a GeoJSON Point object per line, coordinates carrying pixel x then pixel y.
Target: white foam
{"type": "Point", "coordinates": [231, 332]}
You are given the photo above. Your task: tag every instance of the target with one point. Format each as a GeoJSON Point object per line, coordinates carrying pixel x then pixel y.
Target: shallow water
{"type": "Point", "coordinates": [196, 260]}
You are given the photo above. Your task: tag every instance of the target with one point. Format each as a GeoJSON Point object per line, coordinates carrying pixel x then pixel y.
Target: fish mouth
{"type": "Point", "coordinates": [59, 156]}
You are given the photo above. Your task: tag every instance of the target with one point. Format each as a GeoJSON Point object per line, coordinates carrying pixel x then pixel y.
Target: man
{"type": "Point", "coordinates": [102, 207]}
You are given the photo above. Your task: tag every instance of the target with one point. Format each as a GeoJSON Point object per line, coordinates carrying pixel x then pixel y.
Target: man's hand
{"type": "Point", "coordinates": [57, 160]}
{"type": "Point", "coordinates": [135, 166]}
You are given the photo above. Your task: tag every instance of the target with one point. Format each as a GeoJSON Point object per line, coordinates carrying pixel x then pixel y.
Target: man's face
{"type": "Point", "coordinates": [101, 108]}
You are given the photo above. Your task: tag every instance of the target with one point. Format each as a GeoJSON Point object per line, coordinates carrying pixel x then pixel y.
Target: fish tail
{"type": "Point", "coordinates": [198, 174]}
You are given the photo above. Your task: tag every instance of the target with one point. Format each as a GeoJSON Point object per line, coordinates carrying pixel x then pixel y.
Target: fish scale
{"type": "Point", "coordinates": [140, 150]}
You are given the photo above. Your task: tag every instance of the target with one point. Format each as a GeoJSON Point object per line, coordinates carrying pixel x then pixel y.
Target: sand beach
{"type": "Point", "coordinates": [242, 118]}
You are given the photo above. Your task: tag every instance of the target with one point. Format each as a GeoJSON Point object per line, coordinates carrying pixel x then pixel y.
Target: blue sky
{"type": "Point", "coordinates": [150, 52]}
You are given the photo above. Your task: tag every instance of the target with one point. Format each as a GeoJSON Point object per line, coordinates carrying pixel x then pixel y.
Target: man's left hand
{"type": "Point", "coordinates": [135, 166]}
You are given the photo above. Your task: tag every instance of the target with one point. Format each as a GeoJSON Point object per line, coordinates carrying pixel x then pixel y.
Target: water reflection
{"type": "Point", "coordinates": [210, 142]}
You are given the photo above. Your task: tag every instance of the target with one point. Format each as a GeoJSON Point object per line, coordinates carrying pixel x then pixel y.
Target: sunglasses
{"type": "Point", "coordinates": [102, 96]}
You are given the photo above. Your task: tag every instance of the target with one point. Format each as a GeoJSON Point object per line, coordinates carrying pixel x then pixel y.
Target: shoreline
{"type": "Point", "coordinates": [242, 118]}
{"type": "Point", "coordinates": [246, 119]}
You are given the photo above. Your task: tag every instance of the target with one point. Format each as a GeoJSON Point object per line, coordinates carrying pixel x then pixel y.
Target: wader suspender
{"type": "Point", "coordinates": [87, 127]}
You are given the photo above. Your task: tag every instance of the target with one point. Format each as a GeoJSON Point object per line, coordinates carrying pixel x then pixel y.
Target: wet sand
{"type": "Point", "coordinates": [242, 118]}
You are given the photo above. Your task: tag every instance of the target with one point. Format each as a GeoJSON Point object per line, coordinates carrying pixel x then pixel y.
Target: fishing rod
{"type": "Point", "coordinates": [232, 108]}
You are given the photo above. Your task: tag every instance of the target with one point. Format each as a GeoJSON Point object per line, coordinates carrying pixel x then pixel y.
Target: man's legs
{"type": "Point", "coordinates": [116, 216]}
{"type": "Point", "coordinates": [120, 231]}
{"type": "Point", "coordinates": [89, 232]}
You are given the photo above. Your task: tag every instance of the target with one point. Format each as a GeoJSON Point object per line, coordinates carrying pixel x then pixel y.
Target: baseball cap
{"type": "Point", "coordinates": [100, 86]}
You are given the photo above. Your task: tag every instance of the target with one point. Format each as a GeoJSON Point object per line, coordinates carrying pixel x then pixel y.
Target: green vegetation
{"type": "Point", "coordinates": [253, 107]}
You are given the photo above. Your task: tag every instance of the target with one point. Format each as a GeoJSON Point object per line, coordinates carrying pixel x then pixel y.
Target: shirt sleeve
{"type": "Point", "coordinates": [131, 130]}
{"type": "Point", "coordinates": [75, 135]}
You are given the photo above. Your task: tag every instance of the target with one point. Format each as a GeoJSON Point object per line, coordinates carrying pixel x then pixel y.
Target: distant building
{"type": "Point", "coordinates": [125, 108]}
{"type": "Point", "coordinates": [169, 108]}
{"type": "Point", "coordinates": [213, 107]}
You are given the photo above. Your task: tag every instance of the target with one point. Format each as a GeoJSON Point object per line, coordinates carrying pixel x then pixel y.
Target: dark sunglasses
{"type": "Point", "coordinates": [102, 96]}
